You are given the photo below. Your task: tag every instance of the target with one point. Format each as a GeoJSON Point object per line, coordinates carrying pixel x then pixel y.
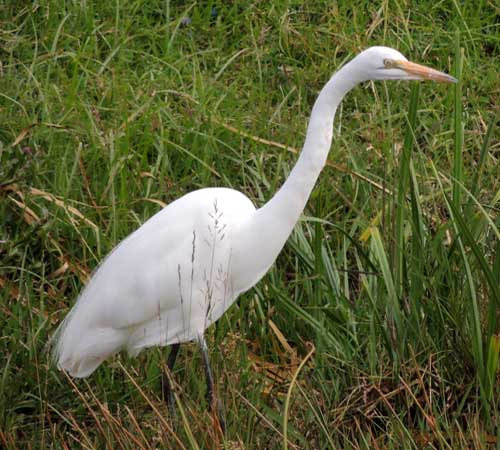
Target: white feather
{"type": "Point", "coordinates": [178, 273]}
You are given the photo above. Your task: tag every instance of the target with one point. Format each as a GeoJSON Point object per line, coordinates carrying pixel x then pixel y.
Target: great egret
{"type": "Point", "coordinates": [182, 269]}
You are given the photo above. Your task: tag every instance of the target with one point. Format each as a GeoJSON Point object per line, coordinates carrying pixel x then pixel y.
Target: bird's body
{"type": "Point", "coordinates": [164, 284]}
{"type": "Point", "coordinates": [181, 270]}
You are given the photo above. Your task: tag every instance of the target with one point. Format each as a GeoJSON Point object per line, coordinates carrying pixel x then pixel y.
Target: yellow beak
{"type": "Point", "coordinates": [425, 73]}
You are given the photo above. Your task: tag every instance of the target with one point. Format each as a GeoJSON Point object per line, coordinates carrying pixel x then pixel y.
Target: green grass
{"type": "Point", "coordinates": [392, 277]}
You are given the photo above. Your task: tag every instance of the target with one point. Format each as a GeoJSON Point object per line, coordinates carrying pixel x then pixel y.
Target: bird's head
{"type": "Point", "coordinates": [384, 63]}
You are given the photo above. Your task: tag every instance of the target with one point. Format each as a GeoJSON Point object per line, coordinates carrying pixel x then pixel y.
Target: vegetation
{"type": "Point", "coordinates": [379, 325]}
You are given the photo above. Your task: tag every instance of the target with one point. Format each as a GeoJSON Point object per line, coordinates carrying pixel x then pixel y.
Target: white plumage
{"type": "Point", "coordinates": [164, 284]}
{"type": "Point", "coordinates": [181, 270]}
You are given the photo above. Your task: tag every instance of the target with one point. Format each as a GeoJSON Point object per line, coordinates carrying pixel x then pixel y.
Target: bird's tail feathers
{"type": "Point", "coordinates": [79, 349]}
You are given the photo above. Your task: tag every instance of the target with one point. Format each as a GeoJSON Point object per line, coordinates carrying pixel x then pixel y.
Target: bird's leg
{"type": "Point", "coordinates": [213, 404]}
{"type": "Point", "coordinates": [167, 388]}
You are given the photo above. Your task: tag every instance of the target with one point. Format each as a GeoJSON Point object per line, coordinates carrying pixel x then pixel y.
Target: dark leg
{"type": "Point", "coordinates": [167, 388]}
{"type": "Point", "coordinates": [213, 404]}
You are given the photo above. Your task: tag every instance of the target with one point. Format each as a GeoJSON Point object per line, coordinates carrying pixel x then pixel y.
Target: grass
{"type": "Point", "coordinates": [379, 325]}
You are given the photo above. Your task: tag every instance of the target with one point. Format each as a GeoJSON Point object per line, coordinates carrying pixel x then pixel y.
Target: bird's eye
{"type": "Point", "coordinates": [388, 63]}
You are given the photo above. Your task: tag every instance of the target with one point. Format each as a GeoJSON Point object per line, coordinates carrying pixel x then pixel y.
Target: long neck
{"type": "Point", "coordinates": [289, 202]}
{"type": "Point", "coordinates": [266, 232]}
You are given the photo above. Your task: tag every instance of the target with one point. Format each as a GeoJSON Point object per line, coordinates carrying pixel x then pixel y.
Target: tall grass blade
{"type": "Point", "coordinates": [416, 262]}
{"type": "Point", "coordinates": [286, 407]}
{"type": "Point", "coordinates": [492, 318]}
{"type": "Point", "coordinates": [478, 170]}
{"type": "Point", "coordinates": [404, 177]}
{"type": "Point", "coordinates": [394, 316]}
{"type": "Point", "coordinates": [492, 364]}
{"type": "Point", "coordinates": [458, 171]}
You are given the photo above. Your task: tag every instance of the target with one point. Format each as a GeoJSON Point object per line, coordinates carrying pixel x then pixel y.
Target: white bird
{"type": "Point", "coordinates": [182, 269]}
